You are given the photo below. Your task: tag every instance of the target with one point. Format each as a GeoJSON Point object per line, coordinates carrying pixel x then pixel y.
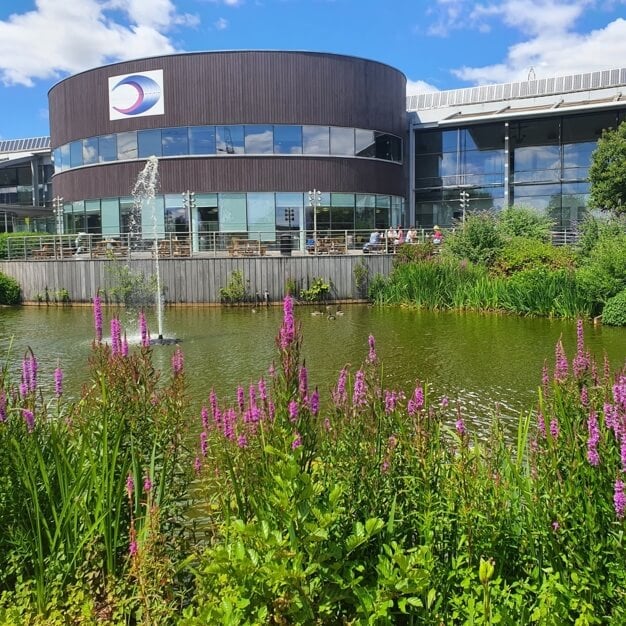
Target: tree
{"type": "Point", "coordinates": [607, 173]}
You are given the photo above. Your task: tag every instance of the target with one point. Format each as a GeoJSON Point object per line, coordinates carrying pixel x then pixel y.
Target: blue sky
{"type": "Point", "coordinates": [438, 44]}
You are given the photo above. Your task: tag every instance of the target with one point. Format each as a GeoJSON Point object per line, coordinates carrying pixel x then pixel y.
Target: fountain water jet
{"type": "Point", "coordinates": [144, 193]}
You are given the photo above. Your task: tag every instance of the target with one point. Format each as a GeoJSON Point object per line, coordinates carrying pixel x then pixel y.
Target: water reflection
{"type": "Point", "coordinates": [481, 361]}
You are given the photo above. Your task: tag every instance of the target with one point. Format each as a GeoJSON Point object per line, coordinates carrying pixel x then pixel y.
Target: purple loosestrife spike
{"type": "Point", "coordinates": [360, 389]}
{"type": "Point", "coordinates": [561, 368]}
{"type": "Point", "coordinates": [97, 317]}
{"type": "Point", "coordinates": [130, 486]}
{"type": "Point", "coordinates": [611, 420]}
{"type": "Point", "coordinates": [3, 407]}
{"type": "Point", "coordinates": [555, 526]}
{"type": "Point", "coordinates": [58, 382]}
{"type": "Point", "coordinates": [271, 372]}
{"type": "Point", "coordinates": [178, 362]}
{"type": "Point", "coordinates": [293, 411]}
{"type": "Point", "coordinates": [241, 398]}
{"type": "Point", "coordinates": [143, 330]}
{"type": "Point", "coordinates": [147, 484]}
{"type": "Point", "coordinates": [287, 331]}
{"type": "Point", "coordinates": [242, 442]}
{"type": "Point", "coordinates": [124, 346]}
{"type": "Point", "coordinates": [619, 393]}
{"type": "Point", "coordinates": [297, 442]}
{"type": "Point", "coordinates": [212, 402]}
{"type": "Point", "coordinates": [252, 396]}
{"type": "Point", "coordinates": [303, 383]}
{"type": "Point", "coordinates": [390, 401]}
{"type": "Point", "coordinates": [197, 465]}
{"type": "Point", "coordinates": [116, 337]}
{"type": "Point", "coordinates": [371, 357]}
{"type": "Point", "coordinates": [315, 402]}
{"type": "Point", "coordinates": [204, 446]}
{"type": "Point", "coordinates": [622, 451]}
{"type": "Point", "coordinates": [541, 424]}
{"type": "Point", "coordinates": [584, 396]}
{"type": "Point", "coordinates": [411, 407]}
{"type": "Point", "coordinates": [132, 548]}
{"type": "Point", "coordinates": [271, 410]}
{"type": "Point", "coordinates": [594, 437]}
{"type": "Point", "coordinates": [230, 417]}
{"type": "Point", "coordinates": [29, 419]}
{"type": "Point", "coordinates": [554, 428]}
{"type": "Point", "coordinates": [619, 499]}
{"type": "Point", "coordinates": [581, 361]}
{"type": "Point", "coordinates": [262, 390]}
{"type": "Point", "coordinates": [339, 394]}
{"type": "Point", "coordinates": [23, 389]}
{"type": "Point", "coordinates": [444, 402]}
{"type": "Point", "coordinates": [460, 427]}
{"type": "Point", "coordinates": [204, 415]}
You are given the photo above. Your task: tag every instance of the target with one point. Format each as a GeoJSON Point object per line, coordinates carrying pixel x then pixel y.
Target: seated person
{"type": "Point", "coordinates": [411, 235]}
{"type": "Point", "coordinates": [373, 243]}
{"type": "Point", "coordinates": [437, 235]}
{"type": "Point", "coordinates": [310, 244]}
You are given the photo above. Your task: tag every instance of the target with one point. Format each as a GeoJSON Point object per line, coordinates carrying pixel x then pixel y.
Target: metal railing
{"type": "Point", "coordinates": [43, 247]}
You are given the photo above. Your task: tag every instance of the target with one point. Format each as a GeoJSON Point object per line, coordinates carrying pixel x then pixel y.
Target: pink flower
{"type": "Point", "coordinates": [29, 419]}
{"type": "Point", "coordinates": [554, 428]}
{"type": "Point", "coordinates": [371, 357]}
{"type": "Point", "coordinates": [203, 443]}
{"type": "Point", "coordinates": [132, 548]}
{"type": "Point", "coordinates": [619, 500]}
{"type": "Point", "coordinates": [242, 441]}
{"type": "Point", "coordinates": [130, 486]}
{"type": "Point", "coordinates": [460, 427]}
{"type": "Point", "coordinates": [178, 361]}
{"type": "Point", "coordinates": [293, 411]}
{"type": "Point", "coordinates": [303, 383]}
{"type": "Point", "coordinates": [561, 367]}
{"type": "Point", "coordinates": [360, 389]}
{"type": "Point", "coordinates": [143, 330]}
{"type": "Point", "coordinates": [147, 484]}
{"type": "Point", "coordinates": [97, 317]}
{"type": "Point", "coordinates": [594, 437]}
{"type": "Point", "coordinates": [297, 442]}
{"type": "Point", "coordinates": [314, 404]}
{"type": "Point", "coordinates": [197, 465]}
{"type": "Point", "coordinates": [339, 393]}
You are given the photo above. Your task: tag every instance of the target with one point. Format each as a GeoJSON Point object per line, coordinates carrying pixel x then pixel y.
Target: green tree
{"type": "Point", "coordinates": [607, 173]}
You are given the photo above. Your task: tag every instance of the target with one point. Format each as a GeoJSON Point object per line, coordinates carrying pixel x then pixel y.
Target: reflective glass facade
{"type": "Point", "coordinates": [540, 162]}
{"type": "Point", "coordinates": [264, 139]}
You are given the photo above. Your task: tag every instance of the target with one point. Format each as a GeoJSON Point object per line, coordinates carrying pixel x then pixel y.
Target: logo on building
{"type": "Point", "coordinates": [136, 95]}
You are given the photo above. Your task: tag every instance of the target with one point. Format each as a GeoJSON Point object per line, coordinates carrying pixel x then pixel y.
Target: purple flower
{"type": "Point", "coordinates": [3, 407]}
{"type": "Point", "coordinates": [619, 499]}
{"type": "Point", "coordinates": [132, 548]}
{"type": "Point", "coordinates": [297, 442]}
{"type": "Point", "coordinates": [619, 393]}
{"type": "Point", "coordinates": [460, 427]}
{"type": "Point", "coordinates": [130, 485]}
{"type": "Point", "coordinates": [143, 330]}
{"type": "Point", "coordinates": [541, 424]}
{"type": "Point", "coordinates": [230, 417]}
{"type": "Point", "coordinates": [271, 410]}
{"type": "Point", "coordinates": [419, 398]}
{"type": "Point", "coordinates": [444, 402]}
{"type": "Point", "coordinates": [561, 368]}
{"type": "Point", "coordinates": [177, 361]}
{"type": "Point", "coordinates": [203, 443]}
{"type": "Point", "coordinates": [124, 351]}
{"type": "Point", "coordinates": [204, 416]}
{"type": "Point", "coordinates": [360, 389]}
{"type": "Point", "coordinates": [23, 389]}
{"type": "Point", "coordinates": [581, 361]}
{"type": "Point", "coordinates": [594, 437]}
{"type": "Point", "coordinates": [339, 393]}
{"type": "Point", "coordinates": [116, 337]}
{"type": "Point", "coordinates": [314, 404]}
{"type": "Point", "coordinates": [262, 389]}
{"type": "Point", "coordinates": [371, 357]}
{"type": "Point", "coordinates": [58, 382]}
{"type": "Point", "coordinates": [241, 398]}
{"type": "Point", "coordinates": [242, 442]}
{"type": "Point", "coordinates": [554, 428]}
{"type": "Point", "coordinates": [252, 396]}
{"type": "Point", "coordinates": [197, 465]}
{"type": "Point", "coordinates": [611, 420]}
{"type": "Point", "coordinates": [391, 398]}
{"type": "Point", "coordinates": [287, 331]}
{"type": "Point", "coordinates": [147, 484]}
{"type": "Point", "coordinates": [293, 411]}
{"type": "Point", "coordinates": [97, 317]}
{"type": "Point", "coordinates": [303, 383]}
{"type": "Point", "coordinates": [555, 526]}
{"type": "Point", "coordinates": [622, 451]}
{"type": "Point", "coordinates": [29, 419]}
{"type": "Point", "coordinates": [29, 372]}
{"type": "Point", "coordinates": [584, 396]}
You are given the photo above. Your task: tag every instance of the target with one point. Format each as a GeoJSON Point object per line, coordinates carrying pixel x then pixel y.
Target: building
{"type": "Point", "coordinates": [249, 133]}
{"type": "Point", "coordinates": [526, 143]}
{"type": "Point", "coordinates": [243, 136]}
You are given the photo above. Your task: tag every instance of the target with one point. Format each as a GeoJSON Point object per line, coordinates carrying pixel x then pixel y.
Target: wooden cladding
{"type": "Point", "coordinates": [247, 87]}
{"type": "Point", "coordinates": [222, 174]}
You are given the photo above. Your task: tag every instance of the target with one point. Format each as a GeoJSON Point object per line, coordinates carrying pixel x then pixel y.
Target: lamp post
{"type": "Point", "coordinates": [464, 195]}
{"type": "Point", "coordinates": [189, 201]}
{"type": "Point", "coordinates": [57, 209]}
{"type": "Point", "coordinates": [315, 199]}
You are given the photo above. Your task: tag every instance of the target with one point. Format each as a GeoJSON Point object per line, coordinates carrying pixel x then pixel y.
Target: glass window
{"type": "Point", "coordinates": [428, 142]}
{"type": "Point", "coordinates": [483, 137]}
{"type": "Point", "coordinates": [541, 197]}
{"type": "Point", "coordinates": [383, 205]}
{"type": "Point", "coordinates": [397, 216]}
{"type": "Point", "coordinates": [93, 220]}
{"type": "Point", "coordinates": [90, 151]}
{"type": "Point", "coordinates": [176, 214]}
{"type": "Point", "coordinates": [127, 145]}
{"type": "Point", "coordinates": [202, 140]}
{"type": "Point", "coordinates": [149, 143]}
{"type": "Point", "coordinates": [537, 164]}
{"type": "Point", "coordinates": [576, 160]}
{"type": "Point", "coordinates": [342, 141]}
{"type": "Point", "coordinates": [58, 160]}
{"type": "Point", "coordinates": [205, 218]}
{"type": "Point", "coordinates": [232, 210]}
{"type": "Point", "coordinates": [288, 210]}
{"type": "Point", "coordinates": [128, 219]}
{"type": "Point", "coordinates": [65, 155]}
{"type": "Point", "coordinates": [107, 148]}
{"type": "Point", "coordinates": [261, 215]}
{"type": "Point", "coordinates": [175, 141]}
{"type": "Point", "coordinates": [450, 140]}
{"type": "Point", "coordinates": [365, 144]}
{"type": "Point", "coordinates": [288, 139]}
{"type": "Point", "coordinates": [259, 139]}
{"type": "Point", "coordinates": [229, 139]}
{"type": "Point", "coordinates": [342, 211]}
{"type": "Point", "coordinates": [587, 127]}
{"type": "Point", "coordinates": [428, 170]}
{"type": "Point", "coordinates": [76, 153]}
{"type": "Point", "coordinates": [110, 216]}
{"type": "Point", "coordinates": [388, 147]}
{"type": "Point", "coordinates": [323, 212]}
{"type": "Point", "coordinates": [365, 214]}
{"type": "Point", "coordinates": [316, 139]}
{"type": "Point", "coordinates": [538, 132]}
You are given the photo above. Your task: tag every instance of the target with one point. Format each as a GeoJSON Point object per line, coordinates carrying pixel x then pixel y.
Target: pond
{"type": "Point", "coordinates": [481, 361]}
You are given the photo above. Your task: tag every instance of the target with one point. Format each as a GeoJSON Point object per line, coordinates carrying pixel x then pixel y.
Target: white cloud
{"type": "Point", "coordinates": [415, 87]}
{"type": "Point", "coordinates": [221, 24]}
{"type": "Point", "coordinates": [60, 37]}
{"type": "Point", "coordinates": [554, 54]}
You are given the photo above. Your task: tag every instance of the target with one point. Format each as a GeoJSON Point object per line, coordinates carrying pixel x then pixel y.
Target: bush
{"type": "Point", "coordinates": [319, 290]}
{"type": "Point", "coordinates": [521, 221]}
{"type": "Point", "coordinates": [478, 241]}
{"type": "Point", "coordinates": [236, 291]}
{"type": "Point", "coordinates": [524, 253]}
{"type": "Point", "coordinates": [9, 290]}
{"type": "Point", "coordinates": [410, 253]}
{"type": "Point", "coordinates": [23, 243]}
{"type": "Point", "coordinates": [614, 313]}
{"type": "Point", "coordinates": [593, 230]}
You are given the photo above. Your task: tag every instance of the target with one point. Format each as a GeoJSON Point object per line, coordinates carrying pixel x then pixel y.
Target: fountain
{"type": "Point", "coordinates": [143, 195]}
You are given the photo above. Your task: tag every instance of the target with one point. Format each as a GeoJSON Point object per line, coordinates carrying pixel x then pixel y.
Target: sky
{"type": "Point", "coordinates": [438, 44]}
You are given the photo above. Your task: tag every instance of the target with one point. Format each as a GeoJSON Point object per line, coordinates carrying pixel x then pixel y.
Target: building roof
{"type": "Point", "coordinates": [8, 146]}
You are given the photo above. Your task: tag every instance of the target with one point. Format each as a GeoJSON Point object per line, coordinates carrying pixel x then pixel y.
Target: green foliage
{"type": "Point", "coordinates": [525, 222]}
{"type": "Point", "coordinates": [10, 292]}
{"type": "Point", "coordinates": [19, 245]}
{"type": "Point", "coordinates": [236, 290]}
{"type": "Point", "coordinates": [603, 273]}
{"type": "Point", "coordinates": [131, 288]}
{"type": "Point", "coordinates": [478, 241]}
{"type": "Point", "coordinates": [524, 253]}
{"type": "Point", "coordinates": [319, 290]}
{"type": "Point", "coordinates": [290, 287]}
{"type": "Point", "coordinates": [410, 253]}
{"type": "Point", "coordinates": [614, 312]}
{"type": "Point", "coordinates": [592, 230]}
{"type": "Point", "coordinates": [361, 273]}
{"type": "Point", "coordinates": [607, 172]}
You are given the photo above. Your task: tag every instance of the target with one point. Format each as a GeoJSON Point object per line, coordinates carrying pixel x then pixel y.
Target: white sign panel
{"type": "Point", "coordinates": [136, 95]}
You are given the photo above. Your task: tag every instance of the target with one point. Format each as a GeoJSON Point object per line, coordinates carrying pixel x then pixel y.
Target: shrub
{"type": "Point", "coordinates": [592, 230]}
{"type": "Point", "coordinates": [9, 290]}
{"type": "Point", "coordinates": [18, 245]}
{"type": "Point", "coordinates": [522, 221]}
{"type": "Point", "coordinates": [524, 253]}
{"type": "Point", "coordinates": [319, 290]}
{"type": "Point", "coordinates": [410, 253]}
{"type": "Point", "coordinates": [614, 313]}
{"type": "Point", "coordinates": [236, 290]}
{"type": "Point", "coordinates": [478, 241]}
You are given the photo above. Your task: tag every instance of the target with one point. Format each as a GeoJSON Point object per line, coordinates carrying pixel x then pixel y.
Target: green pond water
{"type": "Point", "coordinates": [481, 361]}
